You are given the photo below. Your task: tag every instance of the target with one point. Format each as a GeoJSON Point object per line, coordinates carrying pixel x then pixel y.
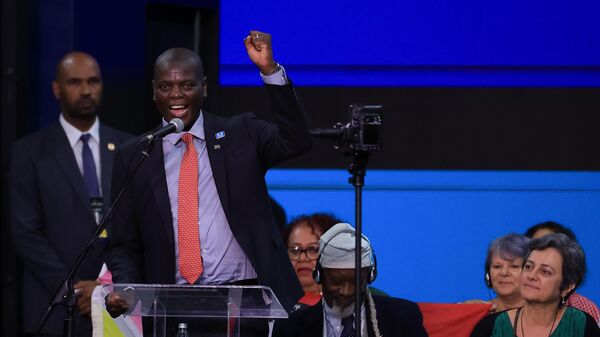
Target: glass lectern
{"type": "Point", "coordinates": [227, 305]}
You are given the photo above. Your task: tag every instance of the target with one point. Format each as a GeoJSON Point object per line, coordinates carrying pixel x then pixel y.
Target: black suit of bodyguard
{"type": "Point", "coordinates": [240, 150]}
{"type": "Point", "coordinates": [50, 214]}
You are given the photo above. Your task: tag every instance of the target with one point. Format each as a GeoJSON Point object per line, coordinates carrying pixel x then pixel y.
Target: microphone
{"type": "Point", "coordinates": [174, 126]}
{"type": "Point", "coordinates": [96, 204]}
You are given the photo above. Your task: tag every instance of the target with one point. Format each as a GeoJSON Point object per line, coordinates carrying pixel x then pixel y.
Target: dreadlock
{"type": "Point", "coordinates": [373, 315]}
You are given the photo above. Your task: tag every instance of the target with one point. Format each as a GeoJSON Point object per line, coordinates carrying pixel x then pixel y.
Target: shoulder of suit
{"type": "Point", "coordinates": [227, 119]}
{"type": "Point", "coordinates": [302, 310]}
{"type": "Point", "coordinates": [119, 135]}
{"type": "Point", "coordinates": [40, 136]}
{"type": "Point", "coordinates": [394, 302]}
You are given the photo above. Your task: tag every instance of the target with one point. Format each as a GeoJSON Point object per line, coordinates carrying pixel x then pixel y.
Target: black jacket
{"type": "Point", "coordinates": [51, 218]}
{"type": "Point", "coordinates": [395, 317]}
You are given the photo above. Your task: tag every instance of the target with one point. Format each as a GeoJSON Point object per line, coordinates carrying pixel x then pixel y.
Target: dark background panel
{"type": "Point", "coordinates": [455, 128]}
{"type": "Point", "coordinates": [12, 94]}
{"type": "Point", "coordinates": [424, 127]}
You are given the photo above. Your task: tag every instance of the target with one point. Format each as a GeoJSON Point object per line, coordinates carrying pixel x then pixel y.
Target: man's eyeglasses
{"type": "Point", "coordinates": [311, 252]}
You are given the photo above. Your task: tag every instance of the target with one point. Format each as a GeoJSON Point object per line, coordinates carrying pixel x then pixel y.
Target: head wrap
{"type": "Point", "coordinates": [337, 248]}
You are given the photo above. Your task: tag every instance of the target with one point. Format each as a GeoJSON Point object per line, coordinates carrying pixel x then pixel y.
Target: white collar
{"type": "Point", "coordinates": [197, 130]}
{"type": "Point", "coordinates": [74, 134]}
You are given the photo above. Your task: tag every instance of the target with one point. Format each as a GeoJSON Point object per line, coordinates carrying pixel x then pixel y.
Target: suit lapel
{"type": "Point", "coordinates": [58, 144]}
{"type": "Point", "coordinates": [216, 141]}
{"type": "Point", "coordinates": [157, 182]}
{"type": "Point", "coordinates": [370, 331]}
{"type": "Point", "coordinates": [312, 322]}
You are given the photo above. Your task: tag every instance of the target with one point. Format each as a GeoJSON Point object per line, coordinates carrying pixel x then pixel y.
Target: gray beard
{"type": "Point", "coordinates": [340, 312]}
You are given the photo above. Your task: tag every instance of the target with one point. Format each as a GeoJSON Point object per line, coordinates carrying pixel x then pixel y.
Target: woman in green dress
{"type": "Point", "coordinates": [553, 269]}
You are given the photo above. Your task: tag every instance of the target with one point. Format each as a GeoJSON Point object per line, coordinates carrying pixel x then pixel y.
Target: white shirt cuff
{"type": "Point", "coordinates": [277, 78]}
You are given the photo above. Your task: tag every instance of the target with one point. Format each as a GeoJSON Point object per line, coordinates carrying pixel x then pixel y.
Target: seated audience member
{"type": "Point", "coordinates": [553, 269]}
{"type": "Point", "coordinates": [503, 265]}
{"type": "Point", "coordinates": [548, 227]}
{"type": "Point", "coordinates": [575, 300]}
{"type": "Point", "coordinates": [302, 239]}
{"type": "Point", "coordinates": [334, 314]}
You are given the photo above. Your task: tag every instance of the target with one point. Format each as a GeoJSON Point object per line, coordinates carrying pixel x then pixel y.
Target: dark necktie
{"type": "Point", "coordinates": [348, 324]}
{"type": "Point", "coordinates": [89, 167]}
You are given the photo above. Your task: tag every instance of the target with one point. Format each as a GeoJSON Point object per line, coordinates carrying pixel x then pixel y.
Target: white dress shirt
{"type": "Point", "coordinates": [332, 325]}
{"type": "Point", "coordinates": [74, 136]}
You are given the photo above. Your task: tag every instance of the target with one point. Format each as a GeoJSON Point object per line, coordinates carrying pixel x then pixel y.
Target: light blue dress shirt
{"type": "Point", "coordinates": [223, 259]}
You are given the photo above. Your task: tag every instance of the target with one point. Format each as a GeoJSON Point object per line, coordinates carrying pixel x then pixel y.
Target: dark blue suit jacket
{"type": "Point", "coordinates": [143, 242]}
{"type": "Point", "coordinates": [51, 219]}
{"type": "Point", "coordinates": [395, 317]}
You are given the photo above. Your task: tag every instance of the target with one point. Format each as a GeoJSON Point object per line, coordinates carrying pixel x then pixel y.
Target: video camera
{"type": "Point", "coordinates": [362, 134]}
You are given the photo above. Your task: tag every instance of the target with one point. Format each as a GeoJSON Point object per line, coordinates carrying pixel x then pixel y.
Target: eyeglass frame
{"type": "Point", "coordinates": [305, 251]}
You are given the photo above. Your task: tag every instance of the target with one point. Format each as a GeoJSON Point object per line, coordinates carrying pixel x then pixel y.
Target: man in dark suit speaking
{"type": "Point", "coordinates": [197, 211]}
{"type": "Point", "coordinates": [334, 316]}
{"type": "Point", "coordinates": [55, 174]}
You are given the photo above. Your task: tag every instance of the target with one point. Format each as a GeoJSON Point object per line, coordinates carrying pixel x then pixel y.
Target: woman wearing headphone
{"type": "Point", "coordinates": [503, 264]}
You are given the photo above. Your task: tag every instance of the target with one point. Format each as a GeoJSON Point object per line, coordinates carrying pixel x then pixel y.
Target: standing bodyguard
{"type": "Point", "coordinates": [55, 176]}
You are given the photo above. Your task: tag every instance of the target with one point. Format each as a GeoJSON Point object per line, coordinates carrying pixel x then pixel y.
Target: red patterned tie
{"type": "Point", "coordinates": [190, 258]}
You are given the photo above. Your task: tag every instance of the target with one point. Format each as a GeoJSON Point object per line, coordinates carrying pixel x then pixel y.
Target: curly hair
{"type": "Point", "coordinates": [319, 223]}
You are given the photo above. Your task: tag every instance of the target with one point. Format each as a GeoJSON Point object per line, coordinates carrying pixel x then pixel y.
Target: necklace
{"type": "Point", "coordinates": [551, 328]}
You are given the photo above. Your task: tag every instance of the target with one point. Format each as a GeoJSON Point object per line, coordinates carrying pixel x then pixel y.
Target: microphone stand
{"type": "Point", "coordinates": [65, 294]}
{"type": "Point", "coordinates": [358, 169]}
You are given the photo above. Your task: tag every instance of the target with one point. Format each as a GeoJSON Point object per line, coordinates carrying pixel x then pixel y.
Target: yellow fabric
{"type": "Point", "coordinates": [106, 326]}
{"type": "Point", "coordinates": [110, 328]}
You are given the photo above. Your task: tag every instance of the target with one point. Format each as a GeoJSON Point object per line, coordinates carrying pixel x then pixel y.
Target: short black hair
{"type": "Point", "coordinates": [555, 227]}
{"type": "Point", "coordinates": [180, 56]}
{"type": "Point", "coordinates": [573, 264]}
{"type": "Point", "coordinates": [70, 55]}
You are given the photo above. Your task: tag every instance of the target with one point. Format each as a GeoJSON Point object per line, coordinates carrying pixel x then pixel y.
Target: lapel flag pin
{"type": "Point", "coordinates": [110, 146]}
{"type": "Point", "coordinates": [220, 134]}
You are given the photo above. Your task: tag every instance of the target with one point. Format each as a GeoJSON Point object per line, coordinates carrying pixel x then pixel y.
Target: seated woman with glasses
{"type": "Point", "coordinates": [302, 239]}
{"type": "Point", "coordinates": [553, 269]}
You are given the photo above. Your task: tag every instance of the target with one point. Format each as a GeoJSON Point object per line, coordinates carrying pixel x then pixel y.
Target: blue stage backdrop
{"type": "Point", "coordinates": [419, 43]}
{"type": "Point", "coordinates": [431, 229]}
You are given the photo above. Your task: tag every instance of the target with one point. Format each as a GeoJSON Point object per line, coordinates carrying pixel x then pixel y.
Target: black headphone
{"type": "Point", "coordinates": [318, 271]}
{"type": "Point", "coordinates": [488, 279]}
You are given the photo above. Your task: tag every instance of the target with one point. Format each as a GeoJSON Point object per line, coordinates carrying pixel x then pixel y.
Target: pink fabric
{"type": "Point", "coordinates": [584, 304]}
{"type": "Point", "coordinates": [105, 278]}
